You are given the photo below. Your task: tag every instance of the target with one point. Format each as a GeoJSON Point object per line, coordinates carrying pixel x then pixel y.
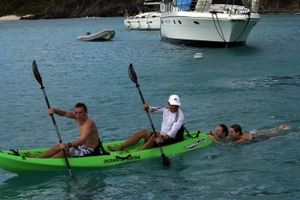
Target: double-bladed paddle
{"type": "Point", "coordinates": [165, 160]}
{"type": "Point", "coordinates": [38, 77]}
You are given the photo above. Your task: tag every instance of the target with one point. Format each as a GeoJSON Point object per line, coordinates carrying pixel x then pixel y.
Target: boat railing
{"type": "Point", "coordinates": [229, 7]}
{"type": "Point", "coordinates": [235, 6]}
{"type": "Point", "coordinates": [166, 5]}
{"type": "Point", "coordinates": [176, 5]}
{"type": "Point", "coordinates": [202, 5]}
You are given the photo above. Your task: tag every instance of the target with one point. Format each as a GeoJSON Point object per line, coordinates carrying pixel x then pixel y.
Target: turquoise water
{"type": "Point", "coordinates": [256, 85]}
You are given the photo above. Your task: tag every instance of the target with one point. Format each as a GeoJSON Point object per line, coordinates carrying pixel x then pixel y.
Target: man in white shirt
{"type": "Point", "coordinates": [172, 123]}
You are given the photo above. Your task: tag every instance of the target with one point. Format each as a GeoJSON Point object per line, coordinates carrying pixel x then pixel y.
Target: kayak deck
{"type": "Point", "coordinates": [20, 164]}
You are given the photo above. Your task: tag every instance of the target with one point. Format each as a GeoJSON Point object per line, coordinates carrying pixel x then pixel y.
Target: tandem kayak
{"type": "Point", "coordinates": [20, 163]}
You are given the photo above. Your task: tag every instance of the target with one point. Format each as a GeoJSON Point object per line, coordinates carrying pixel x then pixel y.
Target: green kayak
{"type": "Point", "coordinates": [12, 162]}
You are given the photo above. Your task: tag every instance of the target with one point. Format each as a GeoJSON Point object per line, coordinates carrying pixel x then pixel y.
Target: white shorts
{"type": "Point", "coordinates": [80, 151]}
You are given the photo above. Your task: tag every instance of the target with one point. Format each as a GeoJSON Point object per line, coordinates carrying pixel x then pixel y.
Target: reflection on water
{"type": "Point", "coordinates": [54, 186]}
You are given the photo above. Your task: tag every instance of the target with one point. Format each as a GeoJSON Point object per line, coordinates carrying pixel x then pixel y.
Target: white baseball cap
{"type": "Point", "coordinates": [174, 100]}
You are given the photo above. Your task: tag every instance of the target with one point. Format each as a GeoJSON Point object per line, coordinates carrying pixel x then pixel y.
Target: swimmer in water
{"type": "Point", "coordinates": [220, 135]}
{"type": "Point", "coordinates": [239, 136]}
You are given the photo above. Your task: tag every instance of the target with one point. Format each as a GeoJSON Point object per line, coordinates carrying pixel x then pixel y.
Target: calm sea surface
{"type": "Point", "coordinates": [256, 85]}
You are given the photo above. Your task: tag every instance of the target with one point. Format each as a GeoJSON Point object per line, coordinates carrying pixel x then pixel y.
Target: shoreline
{"type": "Point", "coordinates": [13, 17]}
{"type": "Point", "coordinates": [9, 17]}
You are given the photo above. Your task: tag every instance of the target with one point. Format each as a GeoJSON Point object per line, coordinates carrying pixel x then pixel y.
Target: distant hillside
{"type": "Point", "coordinates": [280, 6]}
{"type": "Point", "coordinates": [65, 8]}
{"type": "Point", "coordinates": [23, 7]}
{"type": "Point", "coordinates": [47, 9]}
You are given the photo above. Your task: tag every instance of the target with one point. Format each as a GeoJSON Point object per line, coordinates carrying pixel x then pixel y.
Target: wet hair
{"type": "Point", "coordinates": [237, 128]}
{"type": "Point", "coordinates": [81, 105]}
{"type": "Point", "coordinates": [225, 129]}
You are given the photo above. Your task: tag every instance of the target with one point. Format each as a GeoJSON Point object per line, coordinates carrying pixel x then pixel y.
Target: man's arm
{"type": "Point", "coordinates": [152, 109]}
{"type": "Point", "coordinates": [61, 113]}
{"type": "Point", "coordinates": [212, 137]}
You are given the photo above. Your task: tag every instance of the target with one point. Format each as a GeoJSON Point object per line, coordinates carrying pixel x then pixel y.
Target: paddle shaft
{"type": "Point", "coordinates": [57, 131]}
{"type": "Point", "coordinates": [149, 117]}
{"type": "Point", "coordinates": [147, 111]}
{"type": "Point", "coordinates": [133, 77]}
{"type": "Point", "coordinates": [40, 81]}
{"type": "Point", "coordinates": [51, 115]}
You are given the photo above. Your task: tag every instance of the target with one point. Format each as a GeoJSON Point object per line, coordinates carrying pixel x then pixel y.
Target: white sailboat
{"type": "Point", "coordinates": [146, 20]}
{"type": "Point", "coordinates": [199, 22]}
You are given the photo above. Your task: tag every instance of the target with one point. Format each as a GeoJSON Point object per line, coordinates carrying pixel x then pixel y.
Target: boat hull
{"type": "Point", "coordinates": [24, 164]}
{"type": "Point", "coordinates": [207, 28]}
{"type": "Point", "coordinates": [144, 21]}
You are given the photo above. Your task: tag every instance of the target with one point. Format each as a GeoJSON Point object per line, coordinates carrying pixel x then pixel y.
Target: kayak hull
{"type": "Point", "coordinates": [22, 164]}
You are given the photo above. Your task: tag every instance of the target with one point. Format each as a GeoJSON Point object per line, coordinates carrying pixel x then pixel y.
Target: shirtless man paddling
{"type": "Point", "coordinates": [88, 141]}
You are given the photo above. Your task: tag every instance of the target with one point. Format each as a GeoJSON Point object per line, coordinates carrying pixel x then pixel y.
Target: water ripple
{"type": "Point", "coordinates": [266, 82]}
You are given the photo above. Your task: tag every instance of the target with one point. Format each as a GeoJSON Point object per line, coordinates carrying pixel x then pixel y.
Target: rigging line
{"type": "Point", "coordinates": [220, 28]}
{"type": "Point", "coordinates": [216, 26]}
{"type": "Point", "coordinates": [246, 25]}
{"type": "Point", "coordinates": [220, 33]}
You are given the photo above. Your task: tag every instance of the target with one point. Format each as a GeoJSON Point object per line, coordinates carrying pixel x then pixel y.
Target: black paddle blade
{"type": "Point", "coordinates": [165, 160]}
{"type": "Point", "coordinates": [132, 74]}
{"type": "Point", "coordinates": [36, 73]}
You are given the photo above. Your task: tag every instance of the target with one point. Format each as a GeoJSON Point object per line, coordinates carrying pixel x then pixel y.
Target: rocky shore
{"type": "Point", "coordinates": [55, 9]}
